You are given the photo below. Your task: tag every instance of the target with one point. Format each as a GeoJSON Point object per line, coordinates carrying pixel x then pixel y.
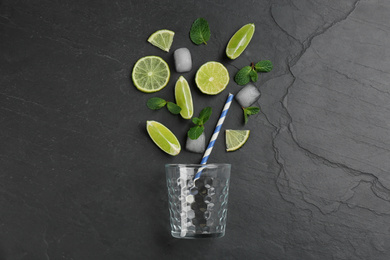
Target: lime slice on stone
{"type": "Point", "coordinates": [240, 41]}
{"type": "Point", "coordinates": [212, 78]}
{"type": "Point", "coordinates": [162, 39]}
{"type": "Point", "coordinates": [163, 137]}
{"type": "Point", "coordinates": [183, 98]}
{"type": "Point", "coordinates": [150, 74]}
{"type": "Point", "coordinates": [235, 139]}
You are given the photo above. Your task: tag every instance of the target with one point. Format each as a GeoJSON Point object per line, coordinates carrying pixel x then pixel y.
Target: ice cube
{"type": "Point", "coordinates": [183, 61]}
{"type": "Point", "coordinates": [248, 95]}
{"type": "Point", "coordinates": [198, 145]}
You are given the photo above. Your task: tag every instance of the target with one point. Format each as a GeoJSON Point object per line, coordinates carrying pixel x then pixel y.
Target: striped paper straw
{"type": "Point", "coordinates": [215, 135]}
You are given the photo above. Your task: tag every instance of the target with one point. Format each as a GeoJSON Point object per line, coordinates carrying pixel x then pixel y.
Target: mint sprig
{"type": "Point", "coordinates": [199, 122]}
{"type": "Point", "coordinates": [250, 73]}
{"type": "Point", "coordinates": [156, 103]}
{"type": "Point", "coordinates": [248, 111]}
{"type": "Point", "coordinates": [200, 31]}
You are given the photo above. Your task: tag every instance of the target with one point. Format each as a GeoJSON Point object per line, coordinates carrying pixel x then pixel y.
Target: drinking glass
{"type": "Point", "coordinates": [198, 209]}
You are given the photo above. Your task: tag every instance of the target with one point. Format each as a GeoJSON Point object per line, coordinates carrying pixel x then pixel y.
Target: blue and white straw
{"type": "Point", "coordinates": [185, 190]}
{"type": "Point", "coordinates": [215, 135]}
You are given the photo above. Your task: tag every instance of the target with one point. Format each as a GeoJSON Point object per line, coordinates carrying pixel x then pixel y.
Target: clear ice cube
{"type": "Point", "coordinates": [198, 145]}
{"type": "Point", "coordinates": [248, 95]}
{"type": "Point", "coordinates": [183, 61]}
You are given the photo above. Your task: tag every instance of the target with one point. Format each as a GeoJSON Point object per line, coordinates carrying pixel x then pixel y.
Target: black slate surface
{"type": "Point", "coordinates": [80, 178]}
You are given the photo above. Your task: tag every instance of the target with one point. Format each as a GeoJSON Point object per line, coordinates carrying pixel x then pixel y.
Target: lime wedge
{"type": "Point", "coordinates": [150, 74]}
{"type": "Point", "coordinates": [212, 78]}
{"type": "Point", "coordinates": [184, 98]}
{"type": "Point", "coordinates": [240, 41]}
{"type": "Point", "coordinates": [162, 39]}
{"type": "Point", "coordinates": [235, 139]}
{"type": "Point", "coordinates": [163, 137]}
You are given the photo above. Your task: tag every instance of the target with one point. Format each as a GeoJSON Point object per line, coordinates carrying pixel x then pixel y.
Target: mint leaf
{"type": "Point", "coordinates": [243, 76]}
{"type": "Point", "coordinates": [173, 108]}
{"type": "Point", "coordinates": [155, 103]}
{"type": "Point", "coordinates": [264, 66]}
{"type": "Point", "coordinates": [195, 132]}
{"type": "Point", "coordinates": [250, 111]}
{"type": "Point", "coordinates": [253, 75]}
{"type": "Point", "coordinates": [245, 117]}
{"type": "Point", "coordinates": [197, 121]}
{"type": "Point", "coordinates": [200, 31]}
{"type": "Point", "coordinates": [205, 114]}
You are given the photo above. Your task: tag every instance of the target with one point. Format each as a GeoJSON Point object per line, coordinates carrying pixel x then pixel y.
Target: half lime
{"type": "Point", "coordinates": [150, 74]}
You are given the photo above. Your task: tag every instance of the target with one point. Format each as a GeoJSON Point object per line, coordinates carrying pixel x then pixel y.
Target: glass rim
{"type": "Point", "coordinates": [195, 165]}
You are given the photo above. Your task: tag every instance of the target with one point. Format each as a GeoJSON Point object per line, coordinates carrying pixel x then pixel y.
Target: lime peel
{"type": "Point", "coordinates": [212, 78]}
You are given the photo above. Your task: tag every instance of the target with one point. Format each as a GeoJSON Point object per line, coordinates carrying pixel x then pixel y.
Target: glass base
{"type": "Point", "coordinates": [195, 236]}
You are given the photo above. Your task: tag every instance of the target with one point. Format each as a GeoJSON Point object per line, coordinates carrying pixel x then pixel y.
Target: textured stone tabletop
{"type": "Point", "coordinates": [80, 178]}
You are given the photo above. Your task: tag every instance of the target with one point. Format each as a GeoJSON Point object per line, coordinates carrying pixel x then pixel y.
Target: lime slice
{"type": "Point", "coordinates": [240, 41]}
{"type": "Point", "coordinates": [163, 137]}
{"type": "Point", "coordinates": [183, 98]}
{"type": "Point", "coordinates": [150, 74]}
{"type": "Point", "coordinates": [235, 139]}
{"type": "Point", "coordinates": [162, 39]}
{"type": "Point", "coordinates": [212, 78]}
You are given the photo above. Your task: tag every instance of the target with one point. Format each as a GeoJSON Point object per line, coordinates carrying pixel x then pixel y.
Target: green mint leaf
{"type": "Point", "coordinates": [156, 103]}
{"type": "Point", "coordinates": [195, 132]}
{"type": "Point", "coordinates": [264, 66]}
{"type": "Point", "coordinates": [205, 114]}
{"type": "Point", "coordinates": [245, 117]}
{"type": "Point", "coordinates": [200, 31]}
{"type": "Point", "coordinates": [252, 110]}
{"type": "Point", "coordinates": [173, 108]}
{"type": "Point", "coordinates": [253, 75]}
{"type": "Point", "coordinates": [242, 77]}
{"type": "Point", "coordinates": [197, 121]}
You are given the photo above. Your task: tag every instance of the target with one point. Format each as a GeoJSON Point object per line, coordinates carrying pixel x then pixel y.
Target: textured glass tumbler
{"type": "Point", "coordinates": [198, 209]}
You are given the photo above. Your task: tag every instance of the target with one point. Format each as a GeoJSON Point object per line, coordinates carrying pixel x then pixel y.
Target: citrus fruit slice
{"type": "Point", "coordinates": [240, 41]}
{"type": "Point", "coordinates": [235, 139]}
{"type": "Point", "coordinates": [163, 137]}
{"type": "Point", "coordinates": [212, 78]}
{"type": "Point", "coordinates": [184, 98]}
{"type": "Point", "coordinates": [162, 39]}
{"type": "Point", "coordinates": [150, 74]}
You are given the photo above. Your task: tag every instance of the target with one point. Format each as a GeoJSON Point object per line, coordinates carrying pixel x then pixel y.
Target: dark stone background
{"type": "Point", "coordinates": [80, 178]}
